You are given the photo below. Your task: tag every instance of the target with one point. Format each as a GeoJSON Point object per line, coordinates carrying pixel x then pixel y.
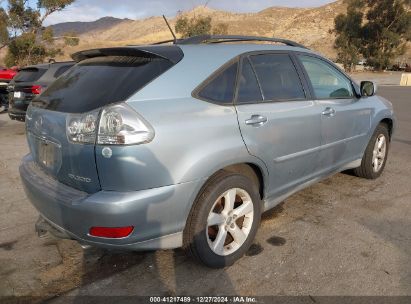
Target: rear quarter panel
{"type": "Point", "coordinates": [193, 139]}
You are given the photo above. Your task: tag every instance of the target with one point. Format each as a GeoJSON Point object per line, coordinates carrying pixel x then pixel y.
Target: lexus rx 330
{"type": "Point", "coordinates": [185, 145]}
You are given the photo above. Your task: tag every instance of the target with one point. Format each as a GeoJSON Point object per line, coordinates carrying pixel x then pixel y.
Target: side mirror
{"type": "Point", "coordinates": [368, 88]}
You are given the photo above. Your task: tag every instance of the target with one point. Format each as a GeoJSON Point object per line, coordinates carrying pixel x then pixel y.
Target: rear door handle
{"type": "Point", "coordinates": [256, 121]}
{"type": "Point", "coordinates": [330, 112]}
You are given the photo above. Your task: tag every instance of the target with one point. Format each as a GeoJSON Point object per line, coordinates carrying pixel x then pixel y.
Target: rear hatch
{"type": "Point", "coordinates": [101, 77]}
{"type": "Point", "coordinates": [23, 88]}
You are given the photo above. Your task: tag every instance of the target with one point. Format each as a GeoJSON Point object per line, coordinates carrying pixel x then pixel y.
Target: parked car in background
{"type": "Point", "coordinates": [30, 82]}
{"type": "Point", "coordinates": [6, 75]}
{"type": "Point", "coordinates": [185, 145]}
{"type": "Point", "coordinates": [401, 66]}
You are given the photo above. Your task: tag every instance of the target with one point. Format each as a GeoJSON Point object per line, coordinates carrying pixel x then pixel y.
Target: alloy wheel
{"type": "Point", "coordinates": [379, 153]}
{"type": "Point", "coordinates": [229, 221]}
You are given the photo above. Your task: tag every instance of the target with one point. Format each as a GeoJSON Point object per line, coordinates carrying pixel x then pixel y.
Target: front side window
{"type": "Point", "coordinates": [221, 88]}
{"type": "Point", "coordinates": [326, 81]}
{"type": "Point", "coordinates": [278, 77]}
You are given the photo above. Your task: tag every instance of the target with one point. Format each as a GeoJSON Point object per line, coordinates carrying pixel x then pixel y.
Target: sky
{"type": "Point", "coordinates": [90, 10]}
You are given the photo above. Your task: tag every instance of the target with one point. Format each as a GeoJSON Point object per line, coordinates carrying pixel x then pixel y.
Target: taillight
{"type": "Point", "coordinates": [36, 90]}
{"type": "Point", "coordinates": [121, 125]}
{"type": "Point", "coordinates": [111, 232]}
{"type": "Point", "coordinates": [82, 128]}
{"type": "Point", "coordinates": [116, 125]}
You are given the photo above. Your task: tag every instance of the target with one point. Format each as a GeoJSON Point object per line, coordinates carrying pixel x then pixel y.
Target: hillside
{"type": "Point", "coordinates": [309, 26]}
{"type": "Point", "coordinates": [85, 27]}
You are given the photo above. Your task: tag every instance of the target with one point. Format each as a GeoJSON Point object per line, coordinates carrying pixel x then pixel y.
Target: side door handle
{"type": "Point", "coordinates": [330, 112]}
{"type": "Point", "coordinates": [256, 121]}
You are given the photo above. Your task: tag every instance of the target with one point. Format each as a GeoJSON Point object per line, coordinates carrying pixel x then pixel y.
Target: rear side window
{"type": "Point", "coordinates": [29, 75]}
{"type": "Point", "coordinates": [278, 77]}
{"type": "Point", "coordinates": [248, 87]}
{"type": "Point", "coordinates": [221, 88]}
{"type": "Point", "coordinates": [99, 81]}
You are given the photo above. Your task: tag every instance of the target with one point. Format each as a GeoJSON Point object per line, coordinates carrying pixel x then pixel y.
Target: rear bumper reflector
{"type": "Point", "coordinates": [111, 232]}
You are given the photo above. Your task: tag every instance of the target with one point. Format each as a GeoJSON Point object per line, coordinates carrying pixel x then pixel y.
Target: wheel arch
{"type": "Point", "coordinates": [390, 124]}
{"type": "Point", "coordinates": [252, 170]}
{"type": "Point", "coordinates": [256, 172]}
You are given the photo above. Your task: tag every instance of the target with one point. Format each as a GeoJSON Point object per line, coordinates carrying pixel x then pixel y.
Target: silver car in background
{"type": "Point", "coordinates": [185, 145]}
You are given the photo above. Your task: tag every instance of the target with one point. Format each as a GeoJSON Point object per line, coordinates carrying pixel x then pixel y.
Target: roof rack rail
{"type": "Point", "coordinates": [165, 41]}
{"type": "Point", "coordinates": [235, 38]}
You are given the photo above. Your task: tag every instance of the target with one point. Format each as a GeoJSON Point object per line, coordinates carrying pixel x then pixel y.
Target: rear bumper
{"type": "Point", "coordinates": [18, 109]}
{"type": "Point", "coordinates": [21, 116]}
{"type": "Point", "coordinates": [158, 215]}
{"type": "Point", "coordinates": [4, 84]}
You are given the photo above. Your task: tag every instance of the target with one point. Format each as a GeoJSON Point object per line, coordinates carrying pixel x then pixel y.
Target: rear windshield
{"type": "Point", "coordinates": [99, 81]}
{"type": "Point", "coordinates": [29, 75]}
{"type": "Point", "coordinates": [61, 70]}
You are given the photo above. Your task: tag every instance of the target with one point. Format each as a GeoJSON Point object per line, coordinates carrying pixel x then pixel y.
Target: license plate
{"type": "Point", "coordinates": [46, 154]}
{"type": "Point", "coordinates": [17, 95]}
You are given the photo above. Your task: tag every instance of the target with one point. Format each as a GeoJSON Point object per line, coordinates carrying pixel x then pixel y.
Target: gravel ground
{"type": "Point", "coordinates": [343, 236]}
{"type": "Point", "coordinates": [387, 78]}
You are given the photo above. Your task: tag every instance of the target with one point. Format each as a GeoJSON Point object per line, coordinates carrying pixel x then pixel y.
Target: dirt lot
{"type": "Point", "coordinates": [387, 78]}
{"type": "Point", "coordinates": [343, 236]}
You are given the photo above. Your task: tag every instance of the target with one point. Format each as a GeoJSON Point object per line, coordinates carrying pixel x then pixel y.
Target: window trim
{"type": "Point", "coordinates": [290, 53]}
{"type": "Point", "coordinates": [195, 93]}
{"type": "Point", "coordinates": [332, 66]}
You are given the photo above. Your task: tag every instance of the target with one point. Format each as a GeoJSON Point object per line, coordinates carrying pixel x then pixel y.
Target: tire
{"type": "Point", "coordinates": [375, 155]}
{"type": "Point", "coordinates": [222, 244]}
{"type": "Point", "coordinates": [3, 103]}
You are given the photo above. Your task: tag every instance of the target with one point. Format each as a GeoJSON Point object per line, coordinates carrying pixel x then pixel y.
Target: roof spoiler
{"type": "Point", "coordinates": [172, 53]}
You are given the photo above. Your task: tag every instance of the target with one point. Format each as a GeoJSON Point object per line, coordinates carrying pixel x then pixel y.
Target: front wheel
{"type": "Point", "coordinates": [224, 220]}
{"type": "Point", "coordinates": [375, 156]}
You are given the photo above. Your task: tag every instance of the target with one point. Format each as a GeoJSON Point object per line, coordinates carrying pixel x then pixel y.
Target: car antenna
{"type": "Point", "coordinates": [171, 30]}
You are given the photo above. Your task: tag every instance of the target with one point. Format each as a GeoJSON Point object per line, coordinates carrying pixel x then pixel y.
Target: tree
{"type": "Point", "coordinates": [71, 38]}
{"type": "Point", "coordinates": [348, 40]}
{"type": "Point", "coordinates": [188, 27]}
{"type": "Point", "coordinates": [22, 31]}
{"type": "Point", "coordinates": [4, 34]}
{"type": "Point", "coordinates": [385, 32]}
{"type": "Point", "coordinates": [375, 30]}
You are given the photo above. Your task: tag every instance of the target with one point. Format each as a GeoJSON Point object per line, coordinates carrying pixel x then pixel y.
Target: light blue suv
{"type": "Point", "coordinates": [185, 145]}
